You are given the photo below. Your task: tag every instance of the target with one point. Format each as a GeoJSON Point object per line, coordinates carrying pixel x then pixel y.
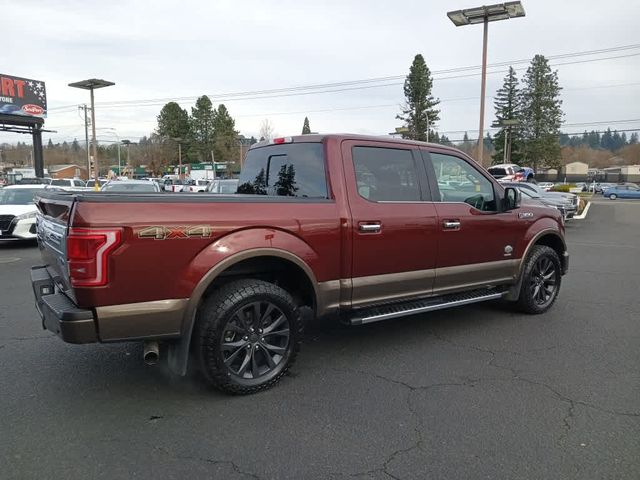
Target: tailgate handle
{"type": "Point", "coordinates": [370, 227]}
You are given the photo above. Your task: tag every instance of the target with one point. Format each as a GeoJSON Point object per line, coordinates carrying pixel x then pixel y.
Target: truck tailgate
{"type": "Point", "coordinates": [52, 224]}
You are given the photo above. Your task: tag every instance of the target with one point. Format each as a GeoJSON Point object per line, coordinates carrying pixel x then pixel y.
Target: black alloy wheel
{"type": "Point", "coordinates": [247, 335]}
{"type": "Point", "coordinates": [255, 340]}
{"type": "Point", "coordinates": [541, 278]}
{"type": "Point", "coordinates": [542, 281]}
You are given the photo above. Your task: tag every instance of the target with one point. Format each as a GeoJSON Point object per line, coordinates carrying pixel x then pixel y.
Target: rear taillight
{"type": "Point", "coordinates": [88, 252]}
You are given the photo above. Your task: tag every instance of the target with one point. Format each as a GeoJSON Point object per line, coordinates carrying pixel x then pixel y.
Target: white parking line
{"type": "Point", "coordinates": [583, 215]}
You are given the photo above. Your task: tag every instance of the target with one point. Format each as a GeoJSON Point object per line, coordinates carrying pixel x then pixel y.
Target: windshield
{"type": "Point", "coordinates": [129, 187]}
{"type": "Point", "coordinates": [61, 183]}
{"type": "Point", "coordinates": [18, 196]}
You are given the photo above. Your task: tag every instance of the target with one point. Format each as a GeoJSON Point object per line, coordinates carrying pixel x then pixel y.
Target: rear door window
{"type": "Point", "coordinates": [288, 170]}
{"type": "Point", "coordinates": [386, 174]}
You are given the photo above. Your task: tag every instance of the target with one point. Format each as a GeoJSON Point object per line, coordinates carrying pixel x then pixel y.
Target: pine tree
{"type": "Point", "coordinates": [507, 107]}
{"type": "Point", "coordinates": [306, 129]}
{"type": "Point", "coordinates": [633, 140]}
{"type": "Point", "coordinates": [226, 146]}
{"type": "Point", "coordinates": [541, 115]}
{"type": "Point", "coordinates": [286, 184]}
{"type": "Point", "coordinates": [173, 124]}
{"type": "Point", "coordinates": [202, 129]}
{"type": "Point", "coordinates": [419, 114]}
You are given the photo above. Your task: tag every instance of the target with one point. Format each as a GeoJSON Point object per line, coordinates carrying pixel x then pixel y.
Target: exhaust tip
{"type": "Point", "coordinates": [151, 353]}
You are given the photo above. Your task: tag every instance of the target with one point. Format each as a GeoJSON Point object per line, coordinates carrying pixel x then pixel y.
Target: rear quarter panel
{"type": "Point", "coordinates": [145, 269]}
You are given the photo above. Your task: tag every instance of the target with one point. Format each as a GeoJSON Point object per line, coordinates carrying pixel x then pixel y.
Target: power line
{"type": "Point", "coordinates": [360, 84]}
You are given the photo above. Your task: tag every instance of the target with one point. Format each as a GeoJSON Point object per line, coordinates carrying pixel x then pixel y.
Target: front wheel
{"type": "Point", "coordinates": [541, 279]}
{"type": "Point", "coordinates": [613, 196]}
{"type": "Point", "coordinates": [248, 335]}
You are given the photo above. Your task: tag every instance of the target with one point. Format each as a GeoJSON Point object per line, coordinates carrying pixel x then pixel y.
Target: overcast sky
{"type": "Point", "coordinates": [174, 49]}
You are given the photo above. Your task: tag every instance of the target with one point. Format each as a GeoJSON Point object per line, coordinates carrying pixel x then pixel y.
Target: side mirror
{"type": "Point", "coordinates": [512, 198]}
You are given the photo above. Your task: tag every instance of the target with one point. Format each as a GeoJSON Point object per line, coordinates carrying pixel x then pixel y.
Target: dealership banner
{"type": "Point", "coordinates": [22, 96]}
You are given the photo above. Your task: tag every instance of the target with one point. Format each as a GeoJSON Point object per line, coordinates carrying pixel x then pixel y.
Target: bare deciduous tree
{"type": "Point", "coordinates": [266, 129]}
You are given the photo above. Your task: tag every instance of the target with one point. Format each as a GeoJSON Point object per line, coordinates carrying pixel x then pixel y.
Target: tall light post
{"type": "Point", "coordinates": [92, 84]}
{"type": "Point", "coordinates": [485, 14]}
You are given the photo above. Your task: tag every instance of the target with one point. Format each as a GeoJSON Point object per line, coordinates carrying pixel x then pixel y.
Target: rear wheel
{"type": "Point", "coordinates": [541, 279]}
{"type": "Point", "coordinates": [248, 335]}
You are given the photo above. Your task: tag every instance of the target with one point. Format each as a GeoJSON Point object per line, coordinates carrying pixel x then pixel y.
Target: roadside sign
{"type": "Point", "coordinates": [22, 96]}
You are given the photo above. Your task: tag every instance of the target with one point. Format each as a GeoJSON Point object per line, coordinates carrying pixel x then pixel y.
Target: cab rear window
{"type": "Point", "coordinates": [288, 170]}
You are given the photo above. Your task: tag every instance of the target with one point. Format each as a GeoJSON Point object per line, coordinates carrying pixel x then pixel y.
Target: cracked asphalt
{"type": "Point", "coordinates": [471, 393]}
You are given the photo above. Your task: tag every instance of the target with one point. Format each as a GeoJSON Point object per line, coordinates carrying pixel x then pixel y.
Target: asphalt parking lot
{"type": "Point", "coordinates": [477, 392]}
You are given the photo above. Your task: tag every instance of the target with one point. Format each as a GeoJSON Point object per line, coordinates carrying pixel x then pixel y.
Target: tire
{"type": "Point", "coordinates": [248, 334]}
{"type": "Point", "coordinates": [613, 196]}
{"type": "Point", "coordinates": [530, 179]}
{"type": "Point", "coordinates": [541, 278]}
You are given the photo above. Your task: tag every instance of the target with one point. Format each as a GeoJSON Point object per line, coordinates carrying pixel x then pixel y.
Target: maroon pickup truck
{"type": "Point", "coordinates": [364, 228]}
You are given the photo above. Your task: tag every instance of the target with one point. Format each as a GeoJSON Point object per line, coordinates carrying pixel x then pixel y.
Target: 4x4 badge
{"type": "Point", "coordinates": [525, 215]}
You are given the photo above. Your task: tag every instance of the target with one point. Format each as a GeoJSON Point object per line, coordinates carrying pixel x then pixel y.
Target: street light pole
{"type": "Point", "coordinates": [91, 84]}
{"type": "Point", "coordinates": [484, 15]}
{"type": "Point", "coordinates": [483, 91]}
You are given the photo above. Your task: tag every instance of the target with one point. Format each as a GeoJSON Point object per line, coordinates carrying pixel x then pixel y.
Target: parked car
{"type": "Point", "coordinates": [529, 197]}
{"type": "Point", "coordinates": [570, 201]}
{"type": "Point", "coordinates": [223, 186]}
{"type": "Point", "coordinates": [512, 172]}
{"type": "Point", "coordinates": [546, 186]}
{"type": "Point", "coordinates": [199, 185]}
{"type": "Point", "coordinates": [345, 225]}
{"type": "Point", "coordinates": [68, 183]}
{"type": "Point", "coordinates": [18, 211]}
{"type": "Point", "coordinates": [175, 185]}
{"type": "Point", "coordinates": [92, 183]}
{"type": "Point", "coordinates": [622, 191]}
{"type": "Point", "coordinates": [130, 186]}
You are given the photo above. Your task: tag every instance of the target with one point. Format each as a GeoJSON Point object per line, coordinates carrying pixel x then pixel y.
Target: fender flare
{"type": "Point", "coordinates": [514, 290]}
{"type": "Point", "coordinates": [178, 353]}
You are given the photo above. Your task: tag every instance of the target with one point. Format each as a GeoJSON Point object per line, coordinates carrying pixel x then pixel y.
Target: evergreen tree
{"type": "Point", "coordinates": [541, 115]}
{"type": "Point", "coordinates": [593, 139]}
{"type": "Point", "coordinates": [173, 123]}
{"type": "Point", "coordinates": [507, 107]}
{"type": "Point", "coordinates": [306, 129]}
{"type": "Point", "coordinates": [286, 184]}
{"type": "Point", "coordinates": [633, 140]}
{"type": "Point", "coordinates": [419, 114]}
{"type": "Point", "coordinates": [226, 146]}
{"type": "Point", "coordinates": [50, 144]}
{"type": "Point", "coordinates": [606, 141]}
{"type": "Point", "coordinates": [75, 146]}
{"type": "Point", "coordinates": [202, 129]}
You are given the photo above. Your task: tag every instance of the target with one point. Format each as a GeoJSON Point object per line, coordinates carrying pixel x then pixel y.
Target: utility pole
{"type": "Point", "coordinates": [86, 138]}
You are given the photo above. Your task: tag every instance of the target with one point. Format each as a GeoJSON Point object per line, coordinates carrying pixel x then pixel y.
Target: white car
{"type": "Point", "coordinates": [199, 185]}
{"type": "Point", "coordinates": [18, 212]}
{"type": "Point", "coordinates": [68, 183]}
{"type": "Point", "coordinates": [227, 186]}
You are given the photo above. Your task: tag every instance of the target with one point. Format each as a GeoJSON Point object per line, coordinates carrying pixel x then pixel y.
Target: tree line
{"type": "Point", "coordinates": [532, 109]}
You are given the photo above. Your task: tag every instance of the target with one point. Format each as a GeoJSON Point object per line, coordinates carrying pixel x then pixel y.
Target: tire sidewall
{"type": "Point", "coordinates": [526, 301]}
{"type": "Point", "coordinates": [215, 319]}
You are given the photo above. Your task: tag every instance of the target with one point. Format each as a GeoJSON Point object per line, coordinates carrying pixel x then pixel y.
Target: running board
{"type": "Point", "coordinates": [384, 312]}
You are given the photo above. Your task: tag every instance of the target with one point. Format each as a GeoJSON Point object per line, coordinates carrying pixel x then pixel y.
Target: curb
{"type": "Point", "coordinates": [583, 215]}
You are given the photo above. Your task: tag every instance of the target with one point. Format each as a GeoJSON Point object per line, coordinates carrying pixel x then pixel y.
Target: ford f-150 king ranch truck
{"type": "Point", "coordinates": [365, 228]}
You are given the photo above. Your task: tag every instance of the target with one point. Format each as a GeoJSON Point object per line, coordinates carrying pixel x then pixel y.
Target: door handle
{"type": "Point", "coordinates": [451, 224]}
{"type": "Point", "coordinates": [369, 227]}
